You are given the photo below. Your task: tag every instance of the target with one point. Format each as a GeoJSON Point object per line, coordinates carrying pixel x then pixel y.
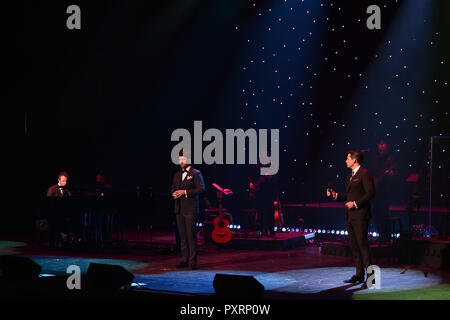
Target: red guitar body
{"type": "Point", "coordinates": [221, 232]}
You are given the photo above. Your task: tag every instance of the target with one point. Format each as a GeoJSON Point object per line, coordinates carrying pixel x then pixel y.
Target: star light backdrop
{"type": "Point", "coordinates": [116, 89]}
{"type": "Point", "coordinates": [332, 87]}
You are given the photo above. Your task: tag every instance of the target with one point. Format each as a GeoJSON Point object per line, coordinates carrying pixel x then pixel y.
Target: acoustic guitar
{"type": "Point", "coordinates": [221, 232]}
{"type": "Point", "coordinates": [278, 214]}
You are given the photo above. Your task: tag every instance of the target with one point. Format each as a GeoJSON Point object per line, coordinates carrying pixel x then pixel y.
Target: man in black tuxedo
{"type": "Point", "coordinates": [360, 190]}
{"type": "Point", "coordinates": [57, 215]}
{"type": "Point", "coordinates": [187, 185]}
{"type": "Point", "coordinates": [60, 189]}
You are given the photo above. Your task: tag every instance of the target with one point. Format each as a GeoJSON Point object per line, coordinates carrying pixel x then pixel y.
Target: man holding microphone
{"type": "Point", "coordinates": [360, 190]}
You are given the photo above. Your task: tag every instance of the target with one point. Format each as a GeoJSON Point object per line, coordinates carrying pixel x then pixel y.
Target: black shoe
{"type": "Point", "coordinates": [182, 265]}
{"type": "Point", "coordinates": [194, 267]}
{"type": "Point", "coordinates": [354, 279]}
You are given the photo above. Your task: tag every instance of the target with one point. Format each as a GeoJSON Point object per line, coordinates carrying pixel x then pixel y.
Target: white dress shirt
{"type": "Point", "coordinates": [183, 176]}
{"type": "Point", "coordinates": [61, 191]}
{"type": "Point", "coordinates": [355, 171]}
{"type": "Point", "coordinates": [353, 174]}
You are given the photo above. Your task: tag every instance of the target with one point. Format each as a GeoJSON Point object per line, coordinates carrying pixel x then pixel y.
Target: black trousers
{"type": "Point", "coordinates": [357, 227]}
{"type": "Point", "coordinates": [188, 237]}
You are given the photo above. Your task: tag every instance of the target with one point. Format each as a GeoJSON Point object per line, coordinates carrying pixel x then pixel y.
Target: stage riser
{"type": "Point", "coordinates": [255, 244]}
{"type": "Point", "coordinates": [430, 254]}
{"type": "Point", "coordinates": [334, 218]}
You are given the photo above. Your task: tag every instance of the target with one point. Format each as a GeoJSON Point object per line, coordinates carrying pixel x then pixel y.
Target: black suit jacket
{"type": "Point", "coordinates": [194, 186]}
{"type": "Point", "coordinates": [54, 192]}
{"type": "Point", "coordinates": [360, 189]}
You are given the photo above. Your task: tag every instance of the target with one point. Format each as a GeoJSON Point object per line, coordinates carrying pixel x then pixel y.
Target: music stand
{"type": "Point", "coordinates": [220, 193]}
{"type": "Point", "coordinates": [227, 192]}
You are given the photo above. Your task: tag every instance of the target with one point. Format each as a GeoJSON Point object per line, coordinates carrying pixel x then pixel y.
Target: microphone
{"type": "Point", "coordinates": [330, 189]}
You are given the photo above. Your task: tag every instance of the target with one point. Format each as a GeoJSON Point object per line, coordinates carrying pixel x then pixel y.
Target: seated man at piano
{"type": "Point", "coordinates": [57, 218]}
{"type": "Point", "coordinates": [60, 189]}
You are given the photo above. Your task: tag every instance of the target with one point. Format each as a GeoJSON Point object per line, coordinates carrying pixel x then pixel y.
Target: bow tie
{"type": "Point", "coordinates": [184, 170]}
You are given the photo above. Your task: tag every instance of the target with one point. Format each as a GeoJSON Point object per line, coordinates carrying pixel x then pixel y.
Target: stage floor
{"type": "Point", "coordinates": [297, 273]}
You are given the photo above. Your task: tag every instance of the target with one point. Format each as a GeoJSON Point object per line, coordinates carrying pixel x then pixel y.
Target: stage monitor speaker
{"type": "Point", "coordinates": [108, 277]}
{"type": "Point", "coordinates": [19, 268]}
{"type": "Point", "coordinates": [237, 286]}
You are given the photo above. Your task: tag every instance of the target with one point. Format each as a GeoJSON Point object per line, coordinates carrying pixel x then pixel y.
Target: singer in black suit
{"type": "Point", "coordinates": [187, 185]}
{"type": "Point", "coordinates": [360, 190]}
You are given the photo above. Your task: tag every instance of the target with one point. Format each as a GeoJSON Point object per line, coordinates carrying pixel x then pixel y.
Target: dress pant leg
{"type": "Point", "coordinates": [360, 226]}
{"type": "Point", "coordinates": [191, 236]}
{"type": "Point", "coordinates": [181, 225]}
{"type": "Point", "coordinates": [352, 238]}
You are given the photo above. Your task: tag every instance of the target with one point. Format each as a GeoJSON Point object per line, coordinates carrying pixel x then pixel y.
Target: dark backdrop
{"type": "Point", "coordinates": [108, 96]}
